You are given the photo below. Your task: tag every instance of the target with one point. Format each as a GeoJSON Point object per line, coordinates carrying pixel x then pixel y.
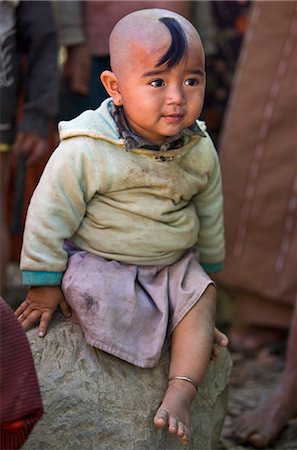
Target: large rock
{"type": "Point", "coordinates": [94, 401]}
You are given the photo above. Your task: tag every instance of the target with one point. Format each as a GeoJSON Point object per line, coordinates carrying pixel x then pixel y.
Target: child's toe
{"type": "Point", "coordinates": [161, 418]}
{"type": "Point", "coordinates": [173, 425]}
{"type": "Point", "coordinates": [185, 438]}
{"type": "Point", "coordinates": [180, 429]}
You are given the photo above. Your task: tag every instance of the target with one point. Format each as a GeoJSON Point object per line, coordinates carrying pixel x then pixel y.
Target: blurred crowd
{"type": "Point", "coordinates": [52, 53]}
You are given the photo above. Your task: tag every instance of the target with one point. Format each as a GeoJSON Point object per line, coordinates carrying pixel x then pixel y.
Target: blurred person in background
{"type": "Point", "coordinates": [28, 75]}
{"type": "Point", "coordinates": [259, 170]}
{"type": "Point", "coordinates": [223, 25]}
{"type": "Point", "coordinates": [258, 158]}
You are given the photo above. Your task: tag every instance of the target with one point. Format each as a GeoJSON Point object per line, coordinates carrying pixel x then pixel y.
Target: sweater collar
{"type": "Point", "coordinates": [132, 140]}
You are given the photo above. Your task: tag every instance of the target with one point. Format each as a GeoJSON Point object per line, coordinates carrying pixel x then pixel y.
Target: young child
{"type": "Point", "coordinates": [127, 205]}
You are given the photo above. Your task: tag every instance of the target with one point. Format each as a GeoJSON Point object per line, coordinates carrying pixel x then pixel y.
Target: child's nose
{"type": "Point", "coordinates": [175, 95]}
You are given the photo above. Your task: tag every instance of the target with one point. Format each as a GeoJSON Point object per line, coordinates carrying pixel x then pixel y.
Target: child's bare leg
{"type": "Point", "coordinates": [191, 347]}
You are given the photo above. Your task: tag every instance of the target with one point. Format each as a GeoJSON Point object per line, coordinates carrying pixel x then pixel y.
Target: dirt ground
{"type": "Point", "coordinates": [251, 380]}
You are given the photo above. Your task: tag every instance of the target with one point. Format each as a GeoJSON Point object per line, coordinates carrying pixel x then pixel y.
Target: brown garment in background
{"type": "Point", "coordinates": [258, 154]}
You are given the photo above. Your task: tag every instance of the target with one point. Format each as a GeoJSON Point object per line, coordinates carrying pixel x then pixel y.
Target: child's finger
{"type": "Point", "coordinates": [44, 322]}
{"type": "Point", "coordinates": [29, 318]}
{"type": "Point", "coordinates": [215, 353]}
{"type": "Point", "coordinates": [26, 312]}
{"type": "Point", "coordinates": [19, 311]}
{"type": "Point", "coordinates": [65, 308]}
{"type": "Point", "coordinates": [220, 338]}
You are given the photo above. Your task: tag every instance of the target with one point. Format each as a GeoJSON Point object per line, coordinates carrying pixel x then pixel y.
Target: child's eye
{"type": "Point", "coordinates": [157, 83]}
{"type": "Point", "coordinates": [191, 82]}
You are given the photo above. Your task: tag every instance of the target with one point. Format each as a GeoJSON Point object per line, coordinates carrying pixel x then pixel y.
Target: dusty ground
{"type": "Point", "coordinates": [251, 381]}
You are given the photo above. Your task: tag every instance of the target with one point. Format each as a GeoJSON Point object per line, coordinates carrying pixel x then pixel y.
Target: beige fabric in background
{"type": "Point", "coordinates": [258, 154]}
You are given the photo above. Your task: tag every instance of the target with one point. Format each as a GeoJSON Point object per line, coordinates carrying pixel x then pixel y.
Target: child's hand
{"type": "Point", "coordinates": [40, 304]}
{"type": "Point", "coordinates": [220, 341]}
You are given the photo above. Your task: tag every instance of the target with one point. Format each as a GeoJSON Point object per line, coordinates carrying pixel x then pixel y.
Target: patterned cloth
{"type": "Point", "coordinates": [21, 405]}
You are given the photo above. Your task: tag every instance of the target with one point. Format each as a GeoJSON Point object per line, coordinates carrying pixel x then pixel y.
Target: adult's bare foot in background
{"type": "Point", "coordinates": [262, 426]}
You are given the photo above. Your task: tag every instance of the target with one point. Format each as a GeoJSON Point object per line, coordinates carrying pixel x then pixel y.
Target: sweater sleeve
{"type": "Point", "coordinates": [56, 210]}
{"type": "Point", "coordinates": [37, 39]}
{"type": "Point", "coordinates": [209, 207]}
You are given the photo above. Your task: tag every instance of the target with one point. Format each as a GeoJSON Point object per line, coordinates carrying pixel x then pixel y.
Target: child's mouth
{"type": "Point", "coordinates": [173, 118]}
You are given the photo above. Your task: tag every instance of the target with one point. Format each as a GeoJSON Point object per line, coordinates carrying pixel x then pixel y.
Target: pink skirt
{"type": "Point", "coordinates": [129, 311]}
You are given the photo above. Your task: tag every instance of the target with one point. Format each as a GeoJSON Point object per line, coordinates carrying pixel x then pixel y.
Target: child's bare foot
{"type": "Point", "coordinates": [261, 426]}
{"type": "Point", "coordinates": [174, 412]}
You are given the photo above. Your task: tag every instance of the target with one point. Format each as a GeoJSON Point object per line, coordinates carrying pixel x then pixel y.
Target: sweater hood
{"type": "Point", "coordinates": [89, 122]}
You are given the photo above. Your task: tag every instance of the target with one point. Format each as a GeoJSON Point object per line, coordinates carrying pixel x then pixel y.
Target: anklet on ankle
{"type": "Point", "coordinates": [196, 385]}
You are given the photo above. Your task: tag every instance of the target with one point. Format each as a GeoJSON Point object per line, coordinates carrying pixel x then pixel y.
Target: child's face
{"type": "Point", "coordinates": [159, 102]}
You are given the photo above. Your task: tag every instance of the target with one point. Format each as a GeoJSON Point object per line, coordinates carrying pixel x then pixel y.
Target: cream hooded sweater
{"type": "Point", "coordinates": [141, 207]}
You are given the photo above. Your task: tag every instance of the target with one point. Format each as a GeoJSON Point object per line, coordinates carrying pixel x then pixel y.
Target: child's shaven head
{"type": "Point", "coordinates": [156, 28]}
{"type": "Point", "coordinates": [158, 73]}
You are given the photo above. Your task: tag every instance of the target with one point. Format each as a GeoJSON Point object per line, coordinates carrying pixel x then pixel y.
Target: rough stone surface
{"type": "Point", "coordinates": [94, 401]}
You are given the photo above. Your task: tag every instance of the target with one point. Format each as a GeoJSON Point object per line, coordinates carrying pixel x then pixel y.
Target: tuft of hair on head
{"type": "Point", "coordinates": [178, 46]}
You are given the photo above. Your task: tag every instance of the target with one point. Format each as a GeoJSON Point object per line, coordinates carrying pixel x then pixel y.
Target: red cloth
{"type": "Point", "coordinates": [21, 405]}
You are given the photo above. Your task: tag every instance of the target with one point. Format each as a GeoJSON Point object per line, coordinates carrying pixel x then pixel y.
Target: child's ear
{"type": "Point", "coordinates": [112, 86]}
